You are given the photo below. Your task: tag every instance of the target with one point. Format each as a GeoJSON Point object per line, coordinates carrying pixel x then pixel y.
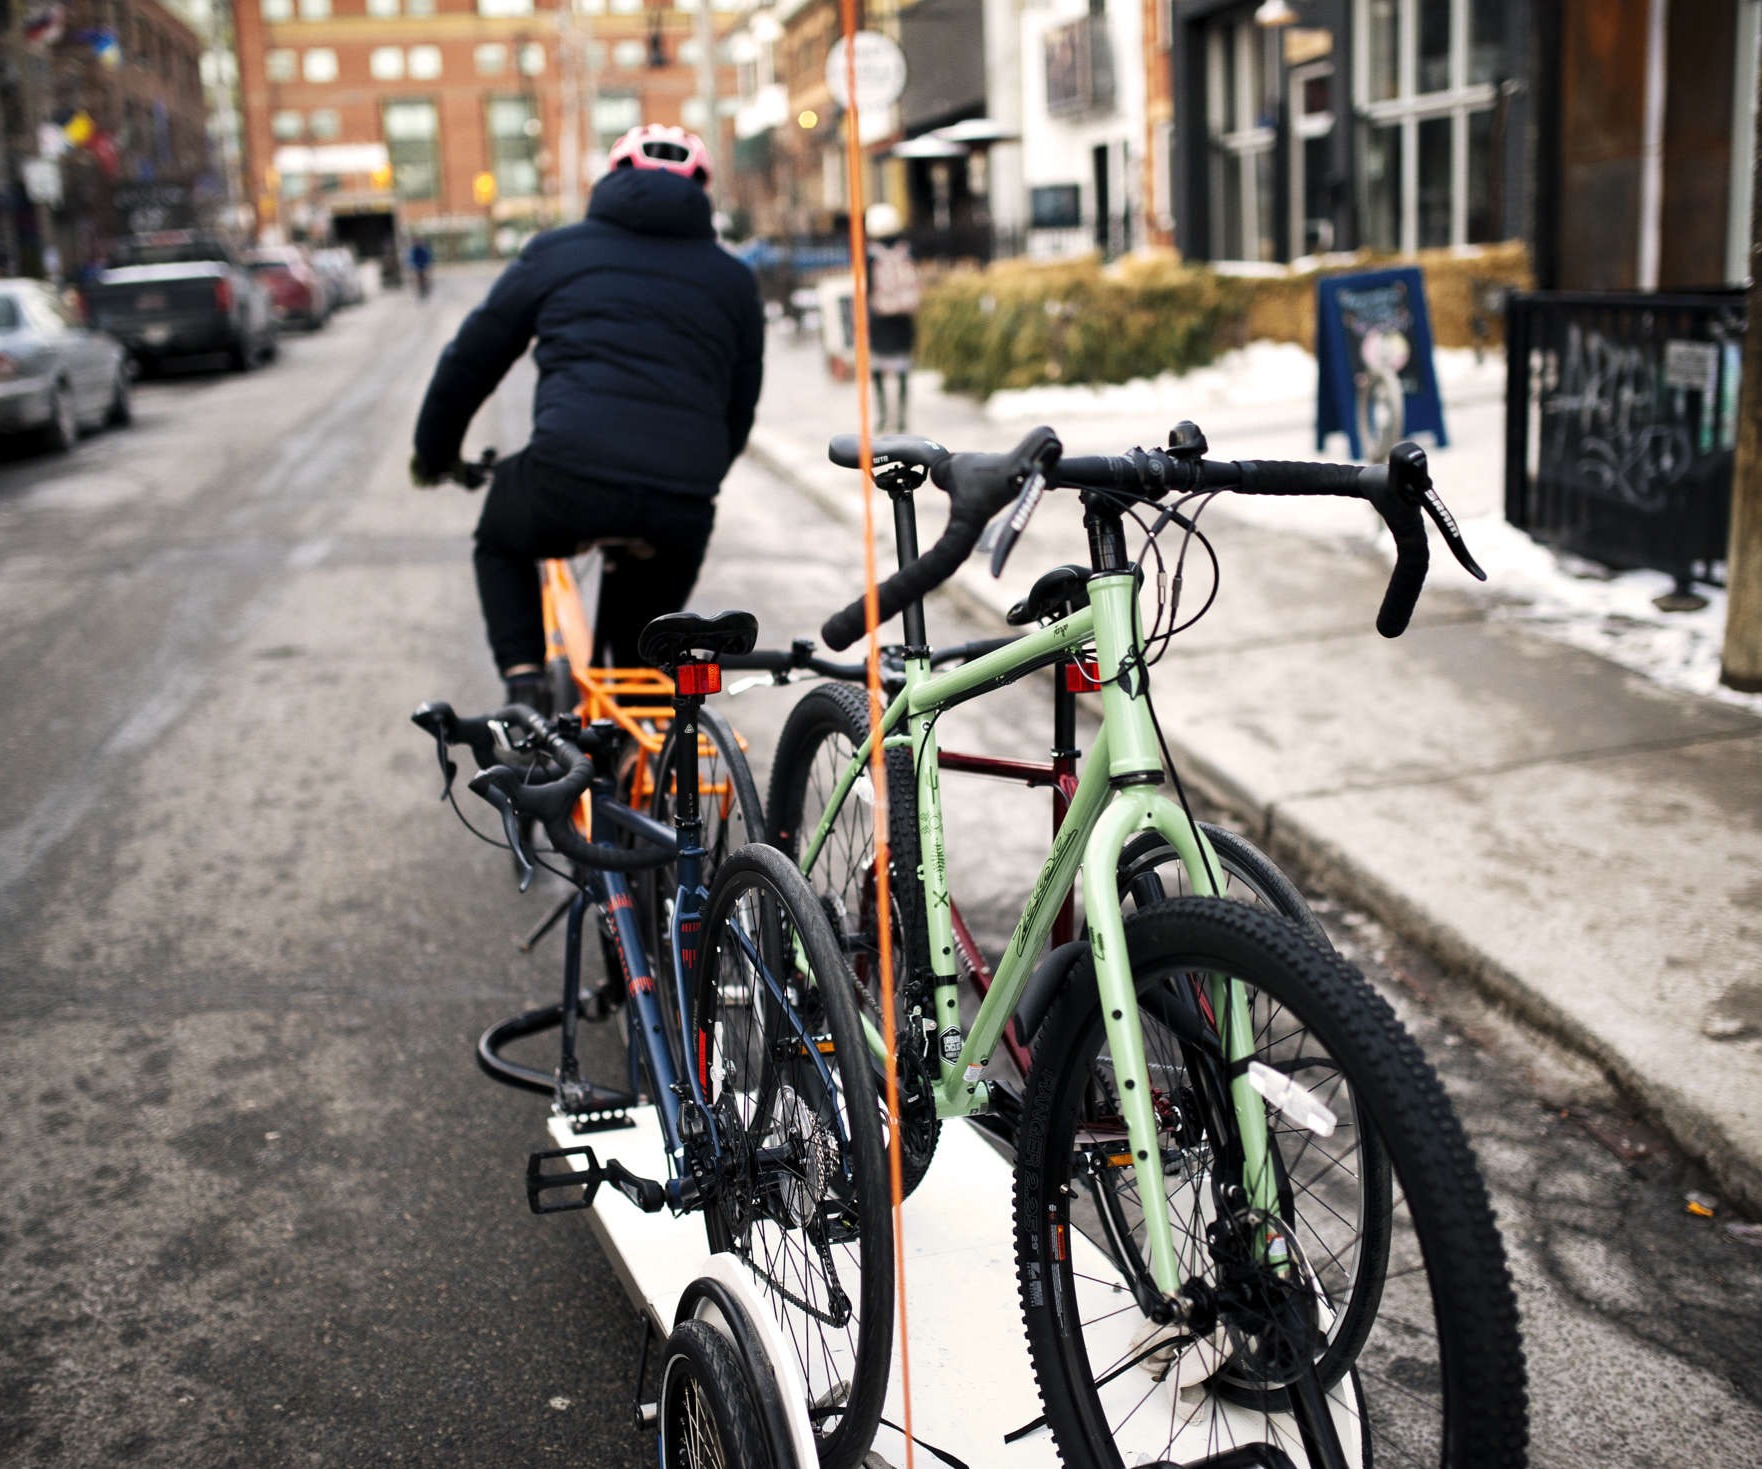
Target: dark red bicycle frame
{"type": "Point", "coordinates": [1060, 776]}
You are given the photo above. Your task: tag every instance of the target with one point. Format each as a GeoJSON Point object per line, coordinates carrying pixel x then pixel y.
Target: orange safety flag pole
{"type": "Point", "coordinates": [853, 164]}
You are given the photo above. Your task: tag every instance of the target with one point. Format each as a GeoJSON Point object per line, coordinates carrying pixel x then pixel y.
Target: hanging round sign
{"type": "Point", "coordinates": [880, 68]}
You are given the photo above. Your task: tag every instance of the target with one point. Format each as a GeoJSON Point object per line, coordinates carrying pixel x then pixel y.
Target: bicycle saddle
{"type": "Point", "coordinates": [919, 453]}
{"type": "Point", "coordinates": [1058, 593]}
{"type": "Point", "coordinates": [665, 642]}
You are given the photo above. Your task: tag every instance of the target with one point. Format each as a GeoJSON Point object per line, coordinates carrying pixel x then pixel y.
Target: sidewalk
{"type": "Point", "coordinates": [1581, 842]}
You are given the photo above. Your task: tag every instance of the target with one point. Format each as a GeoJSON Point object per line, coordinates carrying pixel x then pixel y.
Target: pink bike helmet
{"type": "Point", "coordinates": [654, 146]}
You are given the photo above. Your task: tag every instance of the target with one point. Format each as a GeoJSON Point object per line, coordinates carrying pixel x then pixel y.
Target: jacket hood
{"type": "Point", "coordinates": [652, 201]}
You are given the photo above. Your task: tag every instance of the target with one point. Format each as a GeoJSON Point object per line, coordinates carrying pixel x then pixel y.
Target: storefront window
{"type": "Point", "coordinates": [1482, 225]}
{"type": "Point", "coordinates": [1382, 27]}
{"type": "Point", "coordinates": [1241, 114]}
{"type": "Point", "coordinates": [1382, 186]}
{"type": "Point", "coordinates": [1434, 45]}
{"type": "Point", "coordinates": [1427, 95]}
{"type": "Point", "coordinates": [1434, 182]}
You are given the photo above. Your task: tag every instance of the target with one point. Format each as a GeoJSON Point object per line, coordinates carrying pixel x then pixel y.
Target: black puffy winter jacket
{"type": "Point", "coordinates": [650, 344]}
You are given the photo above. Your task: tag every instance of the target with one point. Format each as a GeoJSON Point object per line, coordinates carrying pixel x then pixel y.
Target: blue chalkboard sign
{"type": "Point", "coordinates": [1374, 319]}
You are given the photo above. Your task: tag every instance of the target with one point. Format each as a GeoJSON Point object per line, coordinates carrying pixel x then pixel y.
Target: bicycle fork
{"type": "Point", "coordinates": [1135, 764]}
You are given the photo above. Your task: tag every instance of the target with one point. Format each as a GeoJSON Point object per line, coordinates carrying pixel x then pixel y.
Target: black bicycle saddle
{"type": "Point", "coordinates": [665, 642]}
{"type": "Point", "coordinates": [1058, 593]}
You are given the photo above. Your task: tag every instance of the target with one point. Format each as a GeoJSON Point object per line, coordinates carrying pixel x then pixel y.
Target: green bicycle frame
{"type": "Point", "coordinates": [1116, 797]}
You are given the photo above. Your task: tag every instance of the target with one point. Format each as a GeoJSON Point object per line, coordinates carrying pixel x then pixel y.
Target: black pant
{"type": "Point", "coordinates": [534, 514]}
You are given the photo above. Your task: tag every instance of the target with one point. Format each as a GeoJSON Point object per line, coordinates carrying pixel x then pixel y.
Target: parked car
{"type": "Point", "coordinates": [56, 376]}
{"type": "Point", "coordinates": [342, 272]}
{"type": "Point", "coordinates": [297, 290]}
{"type": "Point", "coordinates": [178, 294]}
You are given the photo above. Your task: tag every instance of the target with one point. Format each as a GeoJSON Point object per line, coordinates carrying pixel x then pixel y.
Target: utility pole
{"type": "Point", "coordinates": [706, 79]}
{"type": "Point", "coordinates": [568, 146]}
{"type": "Point", "coordinates": [1741, 664]}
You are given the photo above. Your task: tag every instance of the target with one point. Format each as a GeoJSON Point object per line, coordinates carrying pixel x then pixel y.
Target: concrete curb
{"type": "Point", "coordinates": [1307, 853]}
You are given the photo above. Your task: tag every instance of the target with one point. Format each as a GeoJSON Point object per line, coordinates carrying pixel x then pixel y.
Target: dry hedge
{"type": "Point", "coordinates": [1019, 324]}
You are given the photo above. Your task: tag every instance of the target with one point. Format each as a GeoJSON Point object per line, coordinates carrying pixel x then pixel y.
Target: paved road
{"type": "Point", "coordinates": [258, 1207]}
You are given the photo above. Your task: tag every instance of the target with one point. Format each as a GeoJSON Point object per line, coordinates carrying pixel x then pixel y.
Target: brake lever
{"type": "Point", "coordinates": [1413, 482]}
{"type": "Point", "coordinates": [1010, 529]}
{"type": "Point", "coordinates": [485, 786]}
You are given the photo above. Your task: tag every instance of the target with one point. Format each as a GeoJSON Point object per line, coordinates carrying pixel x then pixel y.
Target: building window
{"type": "Point", "coordinates": [425, 63]}
{"type": "Point", "coordinates": [504, 7]}
{"type": "Point", "coordinates": [532, 59]}
{"type": "Point", "coordinates": [276, 11]}
{"type": "Point", "coordinates": [385, 63]}
{"type": "Point", "coordinates": [625, 7]}
{"type": "Point", "coordinates": [1240, 111]}
{"type": "Point", "coordinates": [631, 55]}
{"type": "Point", "coordinates": [384, 9]}
{"type": "Point", "coordinates": [1312, 164]}
{"type": "Point", "coordinates": [325, 125]}
{"type": "Point", "coordinates": [314, 9]}
{"type": "Point", "coordinates": [613, 116]}
{"type": "Point", "coordinates": [491, 58]}
{"type": "Point", "coordinates": [418, 7]}
{"type": "Point", "coordinates": [280, 65]}
{"type": "Point", "coordinates": [412, 140]}
{"type": "Point", "coordinates": [320, 64]}
{"type": "Point", "coordinates": [513, 145]}
{"type": "Point", "coordinates": [1426, 86]}
{"type": "Point", "coordinates": [285, 125]}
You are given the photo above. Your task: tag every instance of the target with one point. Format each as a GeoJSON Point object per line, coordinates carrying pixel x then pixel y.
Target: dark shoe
{"type": "Point", "coordinates": [531, 690]}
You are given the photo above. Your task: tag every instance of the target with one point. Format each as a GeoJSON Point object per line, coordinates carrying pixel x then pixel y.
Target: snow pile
{"type": "Point", "coordinates": [1245, 377]}
{"type": "Point", "coordinates": [1607, 613]}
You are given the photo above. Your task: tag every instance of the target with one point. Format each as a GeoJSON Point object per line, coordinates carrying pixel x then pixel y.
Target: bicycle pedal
{"type": "Point", "coordinates": [645, 1193]}
{"type": "Point", "coordinates": [540, 1183]}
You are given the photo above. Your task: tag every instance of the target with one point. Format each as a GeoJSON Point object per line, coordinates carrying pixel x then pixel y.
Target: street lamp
{"type": "Point", "coordinates": [1272, 14]}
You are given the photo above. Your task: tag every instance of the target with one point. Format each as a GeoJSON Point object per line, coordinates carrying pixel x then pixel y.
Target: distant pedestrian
{"type": "Point", "coordinates": [894, 293]}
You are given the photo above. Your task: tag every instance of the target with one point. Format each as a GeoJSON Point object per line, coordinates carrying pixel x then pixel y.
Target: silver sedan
{"type": "Point", "coordinates": [57, 377]}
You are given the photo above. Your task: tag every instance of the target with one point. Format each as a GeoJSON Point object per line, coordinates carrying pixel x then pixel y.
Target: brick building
{"type": "Point", "coordinates": [418, 98]}
{"type": "Point", "coordinates": [132, 70]}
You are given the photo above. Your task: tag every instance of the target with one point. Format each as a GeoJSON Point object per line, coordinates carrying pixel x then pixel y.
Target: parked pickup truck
{"type": "Point", "coordinates": [179, 294]}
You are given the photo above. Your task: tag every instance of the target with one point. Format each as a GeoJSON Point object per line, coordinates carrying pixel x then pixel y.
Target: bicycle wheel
{"type": "Point", "coordinates": [707, 1419]}
{"type": "Point", "coordinates": [1393, 1329]}
{"type": "Point", "coordinates": [1151, 872]}
{"type": "Point", "coordinates": [819, 740]}
{"type": "Point", "coordinates": [802, 1193]}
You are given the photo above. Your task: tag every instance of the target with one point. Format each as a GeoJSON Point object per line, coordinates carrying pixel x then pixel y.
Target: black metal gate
{"type": "Point", "coordinates": [1621, 419]}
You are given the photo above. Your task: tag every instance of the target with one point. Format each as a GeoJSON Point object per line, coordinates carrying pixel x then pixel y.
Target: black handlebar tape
{"type": "Point", "coordinates": [910, 582]}
{"type": "Point", "coordinates": [978, 485]}
{"type": "Point", "coordinates": [1097, 472]}
{"type": "Point", "coordinates": [1292, 477]}
{"type": "Point", "coordinates": [1412, 558]}
{"type": "Point", "coordinates": [567, 840]}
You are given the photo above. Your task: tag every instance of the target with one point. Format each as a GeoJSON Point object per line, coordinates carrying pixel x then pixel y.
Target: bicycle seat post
{"type": "Point", "coordinates": [899, 480]}
{"type": "Point", "coordinates": [691, 682]}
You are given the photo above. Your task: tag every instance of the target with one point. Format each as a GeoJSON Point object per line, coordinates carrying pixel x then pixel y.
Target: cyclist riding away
{"type": "Point", "coordinates": [650, 352]}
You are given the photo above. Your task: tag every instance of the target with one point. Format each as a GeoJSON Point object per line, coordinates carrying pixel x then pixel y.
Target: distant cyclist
{"type": "Point", "coordinates": [421, 260]}
{"type": "Point", "coordinates": [650, 351]}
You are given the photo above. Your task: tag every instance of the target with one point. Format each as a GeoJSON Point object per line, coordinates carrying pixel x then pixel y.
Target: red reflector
{"type": "Point", "coordinates": [1082, 677]}
{"type": "Point", "coordinates": [699, 678]}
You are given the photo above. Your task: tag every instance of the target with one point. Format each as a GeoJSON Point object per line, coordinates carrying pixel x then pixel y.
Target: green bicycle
{"type": "Point", "coordinates": [1249, 1229]}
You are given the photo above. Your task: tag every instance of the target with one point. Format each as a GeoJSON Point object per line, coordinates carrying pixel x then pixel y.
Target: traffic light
{"type": "Point", "coordinates": [483, 188]}
{"type": "Point", "coordinates": [382, 176]}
